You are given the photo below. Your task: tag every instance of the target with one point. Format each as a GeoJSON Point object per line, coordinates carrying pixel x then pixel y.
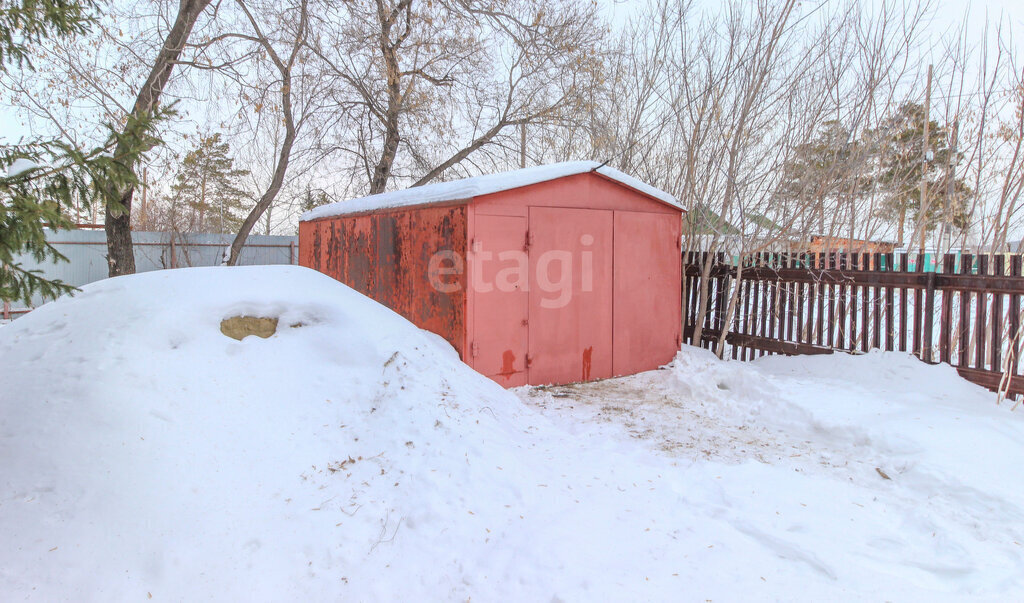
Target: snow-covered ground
{"type": "Point", "coordinates": [143, 453]}
{"type": "Point", "coordinates": [887, 477]}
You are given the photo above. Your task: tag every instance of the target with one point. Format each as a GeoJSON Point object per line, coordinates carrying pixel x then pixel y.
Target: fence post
{"type": "Point", "coordinates": [291, 252]}
{"type": "Point", "coordinates": [174, 256]}
{"type": "Point", "coordinates": [929, 314]}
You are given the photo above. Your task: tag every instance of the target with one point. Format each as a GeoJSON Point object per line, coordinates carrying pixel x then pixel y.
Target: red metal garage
{"type": "Point", "coordinates": [552, 274]}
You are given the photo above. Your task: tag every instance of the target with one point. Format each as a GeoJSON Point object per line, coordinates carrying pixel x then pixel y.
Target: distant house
{"type": "Point", "coordinates": [704, 225]}
{"type": "Point", "coordinates": [701, 221]}
{"type": "Point", "coordinates": [825, 244]}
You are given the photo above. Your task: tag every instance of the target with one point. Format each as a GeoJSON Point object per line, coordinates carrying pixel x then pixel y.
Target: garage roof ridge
{"type": "Point", "coordinates": [486, 184]}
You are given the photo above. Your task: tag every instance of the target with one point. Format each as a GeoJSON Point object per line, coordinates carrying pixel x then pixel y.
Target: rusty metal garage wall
{"type": "Point", "coordinates": [387, 255]}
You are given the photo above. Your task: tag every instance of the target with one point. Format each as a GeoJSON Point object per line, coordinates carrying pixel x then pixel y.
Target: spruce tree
{"type": "Point", "coordinates": [899, 144]}
{"type": "Point", "coordinates": [42, 180]}
{"type": "Point", "coordinates": [819, 172]}
{"type": "Point", "coordinates": [312, 199]}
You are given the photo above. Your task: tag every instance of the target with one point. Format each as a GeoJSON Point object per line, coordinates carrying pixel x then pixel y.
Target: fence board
{"type": "Point", "coordinates": [890, 319]}
{"type": "Point", "coordinates": [979, 319]}
{"type": "Point", "coordinates": [799, 307]}
{"type": "Point", "coordinates": [966, 263]}
{"type": "Point", "coordinates": [1014, 318]}
{"type": "Point", "coordinates": [915, 337]}
{"type": "Point", "coordinates": [819, 263]}
{"type": "Point", "coordinates": [996, 322]}
{"type": "Point", "coordinates": [764, 305]}
{"type": "Point", "coordinates": [876, 308]}
{"type": "Point", "coordinates": [904, 267]}
{"type": "Point", "coordinates": [841, 309]}
{"type": "Point", "coordinates": [928, 317]}
{"type": "Point", "coordinates": [946, 316]}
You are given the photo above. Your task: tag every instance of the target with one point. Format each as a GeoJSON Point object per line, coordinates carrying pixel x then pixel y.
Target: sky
{"type": "Point", "coordinates": [948, 16]}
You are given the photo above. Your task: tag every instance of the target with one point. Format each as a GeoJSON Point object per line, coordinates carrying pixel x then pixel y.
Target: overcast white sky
{"type": "Point", "coordinates": [948, 15]}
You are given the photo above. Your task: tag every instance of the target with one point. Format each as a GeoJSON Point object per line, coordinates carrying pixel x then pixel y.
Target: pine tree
{"type": "Point", "coordinates": [312, 199]}
{"type": "Point", "coordinates": [208, 184]}
{"type": "Point", "coordinates": [899, 144]}
{"type": "Point", "coordinates": [44, 180]}
{"type": "Point", "coordinates": [819, 171]}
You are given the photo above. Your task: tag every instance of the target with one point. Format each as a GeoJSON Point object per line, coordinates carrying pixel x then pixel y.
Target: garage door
{"type": "Point", "coordinates": [570, 297]}
{"type": "Point", "coordinates": [647, 290]}
{"type": "Point", "coordinates": [499, 281]}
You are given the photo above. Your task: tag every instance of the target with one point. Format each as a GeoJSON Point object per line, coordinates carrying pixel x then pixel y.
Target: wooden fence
{"type": "Point", "coordinates": [964, 310]}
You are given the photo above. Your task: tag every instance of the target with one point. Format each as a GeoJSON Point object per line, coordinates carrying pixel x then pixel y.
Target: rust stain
{"type": "Point", "coordinates": [508, 364]}
{"type": "Point", "coordinates": [386, 255]}
{"type": "Point", "coordinates": [587, 355]}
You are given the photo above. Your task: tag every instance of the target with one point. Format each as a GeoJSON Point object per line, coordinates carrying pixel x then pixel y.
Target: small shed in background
{"type": "Point", "coordinates": [546, 275]}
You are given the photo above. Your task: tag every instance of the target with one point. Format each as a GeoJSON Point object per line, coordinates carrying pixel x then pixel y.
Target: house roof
{"type": "Point", "coordinates": [703, 221]}
{"type": "Point", "coordinates": [467, 188]}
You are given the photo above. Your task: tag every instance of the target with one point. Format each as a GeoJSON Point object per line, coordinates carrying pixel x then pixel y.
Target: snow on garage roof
{"type": "Point", "coordinates": [467, 188]}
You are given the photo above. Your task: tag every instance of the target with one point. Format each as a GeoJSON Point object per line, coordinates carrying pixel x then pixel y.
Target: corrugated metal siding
{"type": "Point", "coordinates": [86, 251]}
{"type": "Point", "coordinates": [386, 256]}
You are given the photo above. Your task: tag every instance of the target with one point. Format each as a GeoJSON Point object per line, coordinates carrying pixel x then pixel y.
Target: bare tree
{"type": "Point", "coordinates": [120, 255]}
{"type": "Point", "coordinates": [292, 38]}
{"type": "Point", "coordinates": [420, 86]}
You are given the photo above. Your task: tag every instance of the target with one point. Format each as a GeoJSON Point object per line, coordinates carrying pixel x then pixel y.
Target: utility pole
{"type": "Point", "coordinates": [202, 203]}
{"type": "Point", "coordinates": [145, 182]}
{"type": "Point", "coordinates": [947, 219]}
{"type": "Point", "coordinates": [522, 145]}
{"type": "Point", "coordinates": [922, 209]}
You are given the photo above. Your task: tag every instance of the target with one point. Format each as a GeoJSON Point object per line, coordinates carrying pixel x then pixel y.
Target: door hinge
{"type": "Point", "coordinates": [529, 238]}
{"type": "Point", "coordinates": [474, 350]}
{"type": "Point", "coordinates": [529, 360]}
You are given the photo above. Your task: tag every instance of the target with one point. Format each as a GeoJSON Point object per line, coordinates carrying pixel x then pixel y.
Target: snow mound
{"type": "Point", "coordinates": [20, 166]}
{"type": "Point", "coordinates": [145, 452]}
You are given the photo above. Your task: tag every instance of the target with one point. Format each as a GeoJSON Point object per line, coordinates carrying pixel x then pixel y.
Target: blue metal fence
{"type": "Point", "coordinates": [86, 251]}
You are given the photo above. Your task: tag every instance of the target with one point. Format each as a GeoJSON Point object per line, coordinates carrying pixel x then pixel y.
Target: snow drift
{"type": "Point", "coordinates": [350, 455]}
{"type": "Point", "coordinates": [145, 452]}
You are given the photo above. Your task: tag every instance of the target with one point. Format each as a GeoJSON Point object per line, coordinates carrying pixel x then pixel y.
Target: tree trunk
{"type": "Point", "coordinates": [899, 227]}
{"type": "Point", "coordinates": [279, 172]}
{"type": "Point", "coordinates": [730, 313]}
{"type": "Point", "coordinates": [382, 171]}
{"type": "Point", "coordinates": [202, 204]}
{"type": "Point", "coordinates": [118, 222]}
{"type": "Point", "coordinates": [290, 131]}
